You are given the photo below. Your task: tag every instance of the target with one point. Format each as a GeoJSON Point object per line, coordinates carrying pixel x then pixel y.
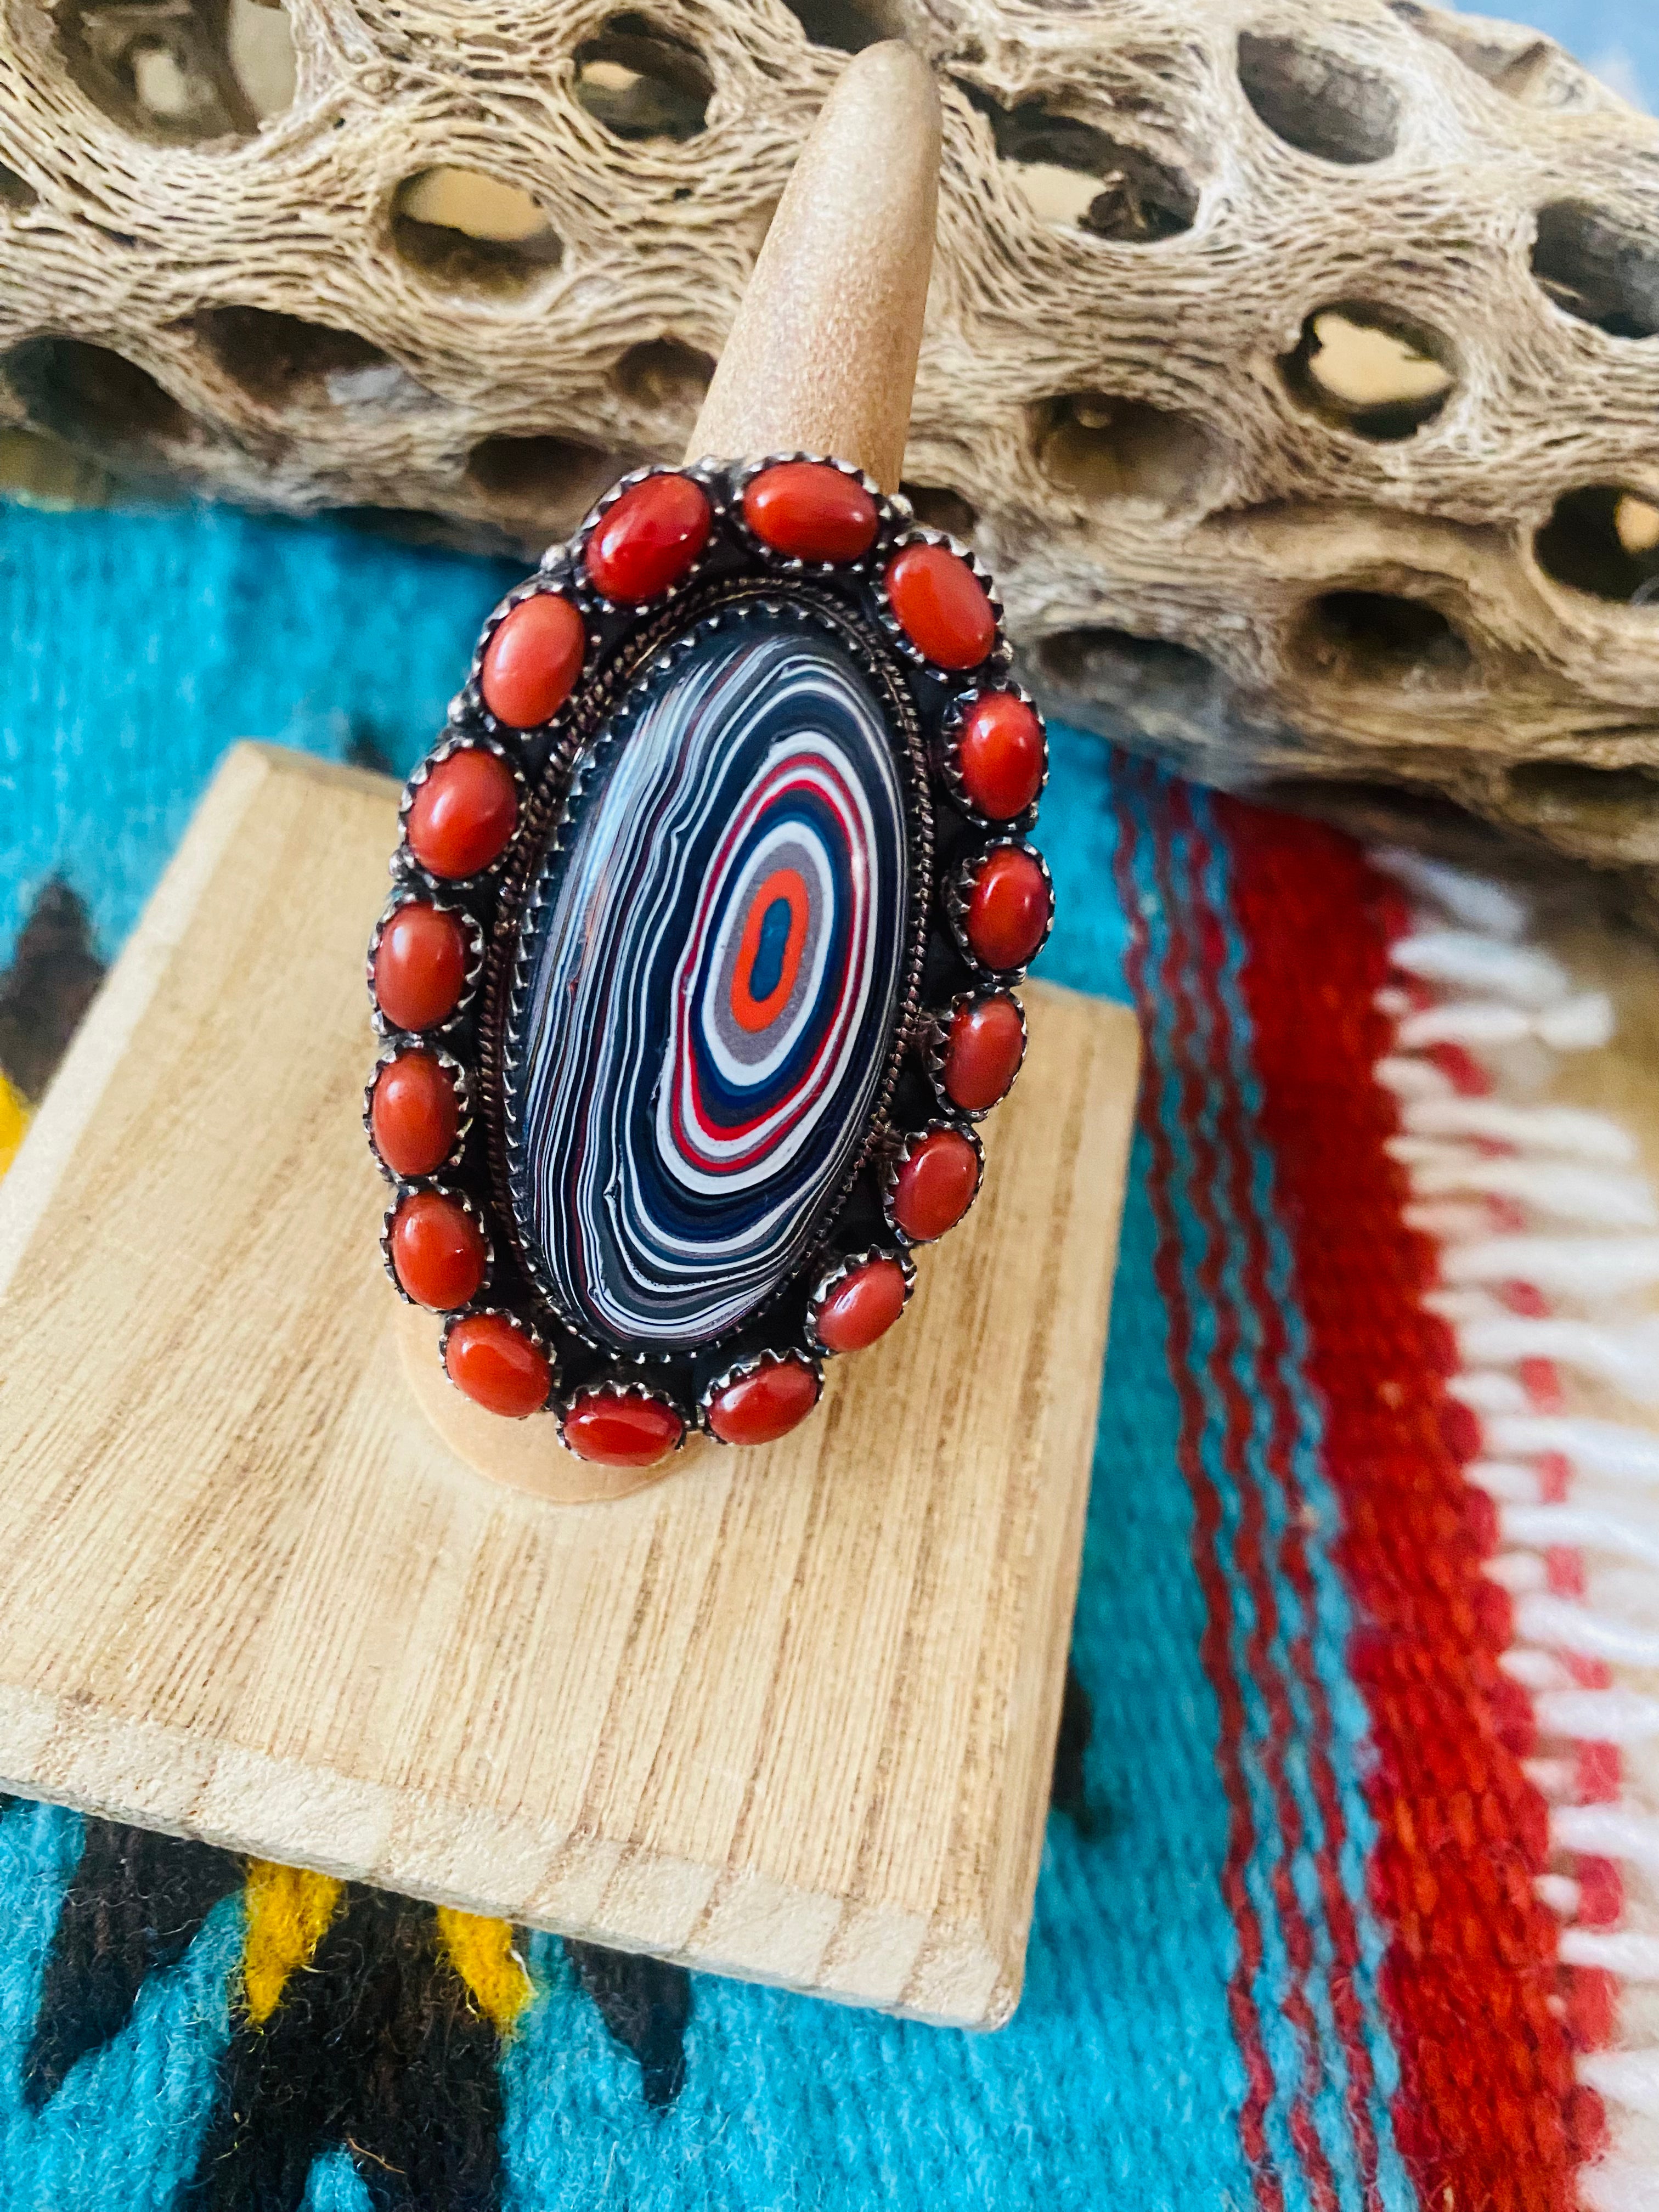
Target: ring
{"type": "Point", "coordinates": [697, 972]}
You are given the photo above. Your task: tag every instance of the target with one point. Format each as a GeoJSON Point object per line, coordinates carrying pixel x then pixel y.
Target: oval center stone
{"type": "Point", "coordinates": [716, 969]}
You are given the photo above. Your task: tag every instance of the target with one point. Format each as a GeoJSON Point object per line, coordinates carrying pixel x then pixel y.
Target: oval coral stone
{"type": "Point", "coordinates": [649, 538]}
{"type": "Point", "coordinates": [1009, 909]}
{"type": "Point", "coordinates": [497, 1366]}
{"type": "Point", "coordinates": [1001, 755]}
{"type": "Point", "coordinates": [420, 965]}
{"type": "Point", "coordinates": [941, 605]}
{"type": "Point", "coordinates": [936, 1185]}
{"type": "Point", "coordinates": [863, 1306]}
{"type": "Point", "coordinates": [532, 660]}
{"type": "Point", "coordinates": [811, 512]}
{"type": "Point", "coordinates": [415, 1114]}
{"type": "Point", "coordinates": [983, 1052]}
{"type": "Point", "coordinates": [758, 1408]}
{"type": "Point", "coordinates": [615, 1429]}
{"type": "Point", "coordinates": [438, 1251]}
{"type": "Point", "coordinates": [464, 814]}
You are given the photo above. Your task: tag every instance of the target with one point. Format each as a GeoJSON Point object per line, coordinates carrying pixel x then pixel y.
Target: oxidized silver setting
{"type": "Point", "coordinates": [741, 1371]}
{"type": "Point", "coordinates": [480, 1043]}
{"type": "Point", "coordinates": [847, 1266]}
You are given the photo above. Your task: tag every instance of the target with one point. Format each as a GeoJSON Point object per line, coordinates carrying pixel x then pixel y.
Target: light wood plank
{"type": "Point", "coordinates": [788, 1714]}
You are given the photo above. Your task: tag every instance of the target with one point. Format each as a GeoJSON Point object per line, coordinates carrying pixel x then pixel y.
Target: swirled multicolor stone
{"type": "Point", "coordinates": [716, 959]}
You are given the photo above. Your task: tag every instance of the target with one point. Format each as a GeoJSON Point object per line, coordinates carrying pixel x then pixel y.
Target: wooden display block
{"type": "Point", "coordinates": [788, 1714]}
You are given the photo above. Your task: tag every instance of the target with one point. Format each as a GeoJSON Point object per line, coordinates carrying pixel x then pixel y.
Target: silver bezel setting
{"type": "Point", "coordinates": [397, 1043]}
{"type": "Point", "coordinates": [957, 897]}
{"type": "Point", "coordinates": [404, 861]}
{"type": "Point", "coordinates": [956, 1125]}
{"type": "Point", "coordinates": [754, 1363]}
{"type": "Point", "coordinates": [526, 1328]}
{"type": "Point", "coordinates": [407, 894]}
{"type": "Point", "coordinates": [950, 756]}
{"type": "Point", "coordinates": [936, 1044]}
{"type": "Point", "coordinates": [586, 595]}
{"type": "Point", "coordinates": [610, 1383]}
{"type": "Point", "coordinates": [467, 711]}
{"type": "Point", "coordinates": [832, 1279]}
{"type": "Point", "coordinates": [985, 674]}
{"type": "Point", "coordinates": [891, 517]}
{"type": "Point", "coordinates": [416, 1186]}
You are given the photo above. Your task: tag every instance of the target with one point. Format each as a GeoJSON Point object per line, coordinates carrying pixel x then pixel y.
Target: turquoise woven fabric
{"type": "Point", "coordinates": [1205, 2020]}
{"type": "Point", "coordinates": [1225, 2001]}
{"type": "Point", "coordinates": [137, 647]}
{"type": "Point", "coordinates": [1120, 2073]}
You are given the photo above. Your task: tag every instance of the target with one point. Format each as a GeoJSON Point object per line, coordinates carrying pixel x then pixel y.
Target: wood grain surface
{"type": "Point", "coordinates": [788, 1714]}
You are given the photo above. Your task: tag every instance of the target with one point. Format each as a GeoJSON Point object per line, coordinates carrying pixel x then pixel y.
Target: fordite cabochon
{"type": "Point", "coordinates": [696, 973]}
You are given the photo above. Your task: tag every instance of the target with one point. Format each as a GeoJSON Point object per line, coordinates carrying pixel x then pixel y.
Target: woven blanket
{"type": "Point", "coordinates": [1347, 1894]}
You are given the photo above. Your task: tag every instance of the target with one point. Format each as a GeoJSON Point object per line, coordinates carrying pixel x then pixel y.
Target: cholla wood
{"type": "Point", "coordinates": [1159, 221]}
{"type": "Point", "coordinates": [790, 1714]}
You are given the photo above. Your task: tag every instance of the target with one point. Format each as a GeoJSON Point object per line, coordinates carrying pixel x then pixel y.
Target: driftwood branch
{"type": "Point", "coordinates": [1296, 370]}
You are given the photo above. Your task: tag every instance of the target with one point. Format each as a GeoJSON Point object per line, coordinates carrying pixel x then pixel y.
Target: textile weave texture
{"type": "Point", "coordinates": [1314, 1928]}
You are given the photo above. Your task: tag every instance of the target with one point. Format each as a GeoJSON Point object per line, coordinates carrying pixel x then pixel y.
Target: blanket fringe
{"type": "Point", "coordinates": [1544, 1222]}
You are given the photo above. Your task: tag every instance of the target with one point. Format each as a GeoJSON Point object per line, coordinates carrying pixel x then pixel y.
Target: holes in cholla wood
{"type": "Point", "coordinates": [180, 70]}
{"type": "Point", "coordinates": [1510, 60]}
{"type": "Point", "coordinates": [467, 232]}
{"type": "Point", "coordinates": [281, 361]}
{"type": "Point", "coordinates": [94, 399]}
{"type": "Point", "coordinates": [1077, 177]}
{"type": "Point", "coordinates": [1609, 812]}
{"type": "Point", "coordinates": [1317, 101]}
{"type": "Point", "coordinates": [16, 193]}
{"type": "Point", "coordinates": [665, 375]}
{"type": "Point", "coordinates": [543, 481]}
{"type": "Point", "coordinates": [1152, 677]}
{"type": "Point", "coordinates": [847, 25]}
{"type": "Point", "coordinates": [1369, 370]}
{"type": "Point", "coordinates": [44, 470]}
{"type": "Point", "coordinates": [260, 40]}
{"type": "Point", "coordinates": [1104, 448]}
{"type": "Point", "coordinates": [1385, 814]}
{"type": "Point", "coordinates": [1382, 639]}
{"type": "Point", "coordinates": [641, 83]}
{"type": "Point", "coordinates": [938, 508]}
{"type": "Point", "coordinates": [1597, 271]}
{"type": "Point", "coordinates": [1603, 540]}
